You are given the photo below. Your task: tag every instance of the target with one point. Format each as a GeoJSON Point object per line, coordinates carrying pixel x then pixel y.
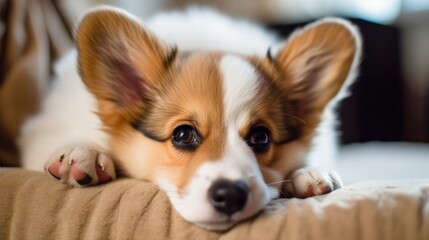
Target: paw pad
{"type": "Point", "coordinates": [81, 166]}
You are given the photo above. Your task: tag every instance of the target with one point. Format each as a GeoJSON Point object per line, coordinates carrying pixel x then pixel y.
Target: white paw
{"type": "Point", "coordinates": [81, 166]}
{"type": "Point", "coordinates": [311, 181]}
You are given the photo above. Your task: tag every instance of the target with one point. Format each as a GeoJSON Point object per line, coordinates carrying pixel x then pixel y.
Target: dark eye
{"type": "Point", "coordinates": [259, 139]}
{"type": "Point", "coordinates": [186, 137]}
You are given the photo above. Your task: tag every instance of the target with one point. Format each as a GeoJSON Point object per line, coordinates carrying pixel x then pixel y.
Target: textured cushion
{"type": "Point", "coordinates": [34, 206]}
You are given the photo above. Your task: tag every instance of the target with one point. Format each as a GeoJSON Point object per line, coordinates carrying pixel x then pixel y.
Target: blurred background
{"type": "Point", "coordinates": [389, 102]}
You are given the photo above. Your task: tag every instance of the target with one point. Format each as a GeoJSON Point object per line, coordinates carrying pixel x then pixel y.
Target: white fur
{"type": "Point", "coordinates": [241, 84]}
{"type": "Point", "coordinates": [67, 117]}
{"type": "Point", "coordinates": [205, 29]}
{"type": "Point", "coordinates": [238, 163]}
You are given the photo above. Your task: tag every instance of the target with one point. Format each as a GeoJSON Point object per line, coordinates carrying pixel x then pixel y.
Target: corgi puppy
{"type": "Point", "coordinates": [219, 113]}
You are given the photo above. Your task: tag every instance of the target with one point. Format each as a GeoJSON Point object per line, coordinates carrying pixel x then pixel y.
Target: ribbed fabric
{"type": "Point", "coordinates": [35, 206]}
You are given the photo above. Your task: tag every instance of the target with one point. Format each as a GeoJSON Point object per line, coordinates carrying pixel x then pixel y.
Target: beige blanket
{"type": "Point", "coordinates": [34, 206]}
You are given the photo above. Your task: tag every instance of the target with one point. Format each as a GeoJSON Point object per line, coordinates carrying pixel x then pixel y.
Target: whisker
{"type": "Point", "coordinates": [296, 118]}
{"type": "Point", "coordinates": [263, 168]}
{"type": "Point", "coordinates": [250, 176]}
{"type": "Point", "coordinates": [207, 178]}
{"type": "Point", "coordinates": [176, 192]}
{"type": "Point", "coordinates": [281, 181]}
{"type": "Point", "coordinates": [174, 197]}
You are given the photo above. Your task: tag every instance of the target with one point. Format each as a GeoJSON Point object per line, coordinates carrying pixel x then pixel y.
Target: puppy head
{"type": "Point", "coordinates": [214, 130]}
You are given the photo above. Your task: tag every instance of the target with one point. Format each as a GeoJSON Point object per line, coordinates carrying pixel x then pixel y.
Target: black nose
{"type": "Point", "coordinates": [228, 197]}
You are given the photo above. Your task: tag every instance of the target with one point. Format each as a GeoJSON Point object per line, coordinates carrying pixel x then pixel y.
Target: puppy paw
{"type": "Point", "coordinates": [81, 166]}
{"type": "Point", "coordinates": [308, 182]}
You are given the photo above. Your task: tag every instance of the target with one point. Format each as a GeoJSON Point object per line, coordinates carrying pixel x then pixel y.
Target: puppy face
{"type": "Point", "coordinates": [214, 130]}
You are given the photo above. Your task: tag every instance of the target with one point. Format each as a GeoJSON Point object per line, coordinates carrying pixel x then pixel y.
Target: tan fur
{"type": "Point", "coordinates": [193, 100]}
{"type": "Point", "coordinates": [105, 36]}
{"type": "Point", "coordinates": [188, 90]}
{"type": "Point", "coordinates": [322, 53]}
{"type": "Point", "coordinates": [314, 65]}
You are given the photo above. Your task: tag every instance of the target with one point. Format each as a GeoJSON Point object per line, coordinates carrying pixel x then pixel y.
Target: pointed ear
{"type": "Point", "coordinates": [317, 63]}
{"type": "Point", "coordinates": [120, 61]}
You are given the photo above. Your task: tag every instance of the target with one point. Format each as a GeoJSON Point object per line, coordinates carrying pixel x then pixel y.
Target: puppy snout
{"type": "Point", "coordinates": [227, 196]}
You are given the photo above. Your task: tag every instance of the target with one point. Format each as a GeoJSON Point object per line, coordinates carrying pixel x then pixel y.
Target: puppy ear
{"type": "Point", "coordinates": [120, 62]}
{"type": "Point", "coordinates": [315, 63]}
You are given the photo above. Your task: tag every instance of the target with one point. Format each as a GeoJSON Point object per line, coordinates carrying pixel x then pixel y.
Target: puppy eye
{"type": "Point", "coordinates": [259, 139]}
{"type": "Point", "coordinates": [186, 137]}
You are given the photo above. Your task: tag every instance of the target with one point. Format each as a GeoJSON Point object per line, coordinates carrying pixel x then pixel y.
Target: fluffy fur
{"type": "Point", "coordinates": [261, 124]}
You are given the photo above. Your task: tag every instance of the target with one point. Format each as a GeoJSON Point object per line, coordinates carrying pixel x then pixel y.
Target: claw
{"type": "Point", "coordinates": [66, 166]}
{"type": "Point", "coordinates": [101, 166]}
